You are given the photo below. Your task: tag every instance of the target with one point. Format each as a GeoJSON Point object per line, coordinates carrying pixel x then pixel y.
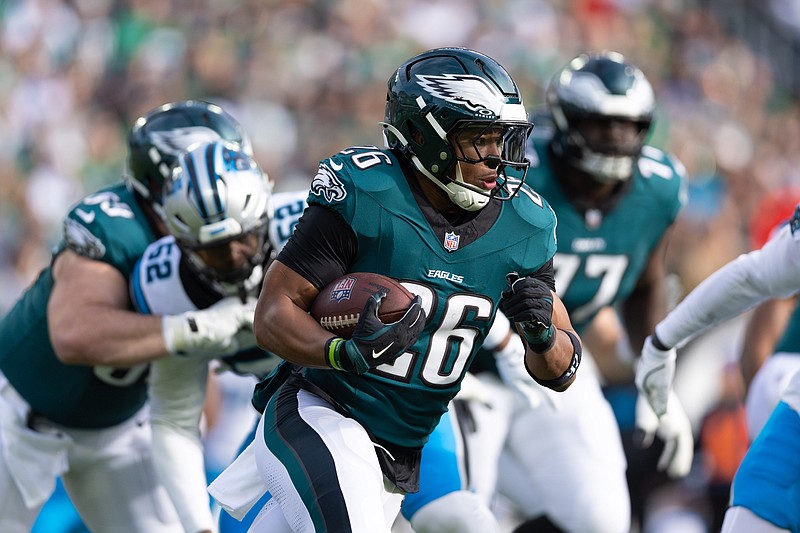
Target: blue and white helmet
{"type": "Point", "coordinates": [217, 193]}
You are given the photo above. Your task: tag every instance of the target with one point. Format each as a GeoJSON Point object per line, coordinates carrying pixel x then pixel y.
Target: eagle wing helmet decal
{"type": "Point", "coordinates": [472, 92]}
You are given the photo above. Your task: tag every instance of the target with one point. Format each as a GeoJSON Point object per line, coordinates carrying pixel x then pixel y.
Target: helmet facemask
{"type": "Point", "coordinates": [603, 109]}
{"type": "Point", "coordinates": [218, 204]}
{"type": "Point", "coordinates": [215, 262]}
{"type": "Point", "coordinates": [605, 155]}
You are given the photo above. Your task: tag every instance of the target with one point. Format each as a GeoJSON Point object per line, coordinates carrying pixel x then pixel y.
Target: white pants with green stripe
{"type": "Point", "coordinates": [321, 469]}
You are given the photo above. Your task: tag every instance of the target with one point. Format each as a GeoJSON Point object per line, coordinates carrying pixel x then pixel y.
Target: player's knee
{"type": "Point", "coordinates": [457, 512]}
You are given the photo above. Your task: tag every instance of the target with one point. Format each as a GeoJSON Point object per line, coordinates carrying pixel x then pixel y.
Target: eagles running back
{"type": "Point", "coordinates": [453, 269]}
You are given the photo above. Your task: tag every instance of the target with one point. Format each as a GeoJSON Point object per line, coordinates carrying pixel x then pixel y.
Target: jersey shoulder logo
{"type": "Point", "coordinates": [81, 241]}
{"type": "Point", "coordinates": [328, 185]}
{"type": "Point", "coordinates": [472, 92]}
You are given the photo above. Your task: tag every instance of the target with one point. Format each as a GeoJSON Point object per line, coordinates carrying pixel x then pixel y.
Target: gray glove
{"type": "Point", "coordinates": [674, 428]}
{"type": "Point", "coordinates": [654, 375]}
{"type": "Point", "coordinates": [222, 329]}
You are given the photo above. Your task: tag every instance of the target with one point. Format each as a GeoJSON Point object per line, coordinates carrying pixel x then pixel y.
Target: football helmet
{"type": "Point", "coordinates": [157, 138]}
{"type": "Point", "coordinates": [437, 98]}
{"type": "Point", "coordinates": [600, 87]}
{"type": "Point", "coordinates": [218, 194]}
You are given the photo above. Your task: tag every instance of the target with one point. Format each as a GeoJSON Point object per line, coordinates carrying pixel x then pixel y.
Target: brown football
{"type": "Point", "coordinates": [339, 305]}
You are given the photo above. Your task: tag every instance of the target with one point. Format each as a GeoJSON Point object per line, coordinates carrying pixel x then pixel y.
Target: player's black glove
{"type": "Point", "coordinates": [529, 303]}
{"type": "Point", "coordinates": [374, 343]}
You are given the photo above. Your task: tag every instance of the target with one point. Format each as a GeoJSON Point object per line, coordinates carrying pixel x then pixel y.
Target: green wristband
{"type": "Point", "coordinates": [332, 353]}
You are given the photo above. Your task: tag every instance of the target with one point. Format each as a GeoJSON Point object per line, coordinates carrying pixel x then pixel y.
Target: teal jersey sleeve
{"type": "Point", "coordinates": [458, 271]}
{"type": "Point", "coordinates": [108, 226]}
{"type": "Point", "coordinates": [602, 254]}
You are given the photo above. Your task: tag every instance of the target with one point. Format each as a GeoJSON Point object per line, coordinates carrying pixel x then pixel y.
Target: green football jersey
{"type": "Point", "coordinates": [602, 255]}
{"type": "Point", "coordinates": [459, 271]}
{"type": "Point", "coordinates": [107, 226]}
{"type": "Point", "coordinates": [790, 340]}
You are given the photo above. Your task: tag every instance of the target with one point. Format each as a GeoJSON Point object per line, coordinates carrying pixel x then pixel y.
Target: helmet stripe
{"type": "Point", "coordinates": [194, 186]}
{"type": "Point", "coordinates": [214, 177]}
{"type": "Point", "coordinates": [431, 119]}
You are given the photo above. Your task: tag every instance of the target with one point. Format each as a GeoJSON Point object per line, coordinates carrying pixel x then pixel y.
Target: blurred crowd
{"type": "Point", "coordinates": [306, 77]}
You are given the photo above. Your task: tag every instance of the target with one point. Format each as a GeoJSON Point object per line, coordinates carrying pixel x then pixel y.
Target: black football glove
{"type": "Point", "coordinates": [374, 343]}
{"type": "Point", "coordinates": [529, 303]}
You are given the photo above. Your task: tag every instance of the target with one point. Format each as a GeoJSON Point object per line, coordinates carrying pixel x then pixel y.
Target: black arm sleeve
{"type": "Point", "coordinates": [546, 274]}
{"type": "Point", "coordinates": [322, 246]}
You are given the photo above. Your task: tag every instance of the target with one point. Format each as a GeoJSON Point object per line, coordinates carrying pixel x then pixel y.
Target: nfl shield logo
{"type": "Point", "coordinates": [343, 289]}
{"type": "Point", "coordinates": [451, 241]}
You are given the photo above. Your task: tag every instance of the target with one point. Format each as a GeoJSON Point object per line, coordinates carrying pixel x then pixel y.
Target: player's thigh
{"type": "Point", "coordinates": [30, 462]}
{"type": "Point", "coordinates": [321, 467]}
{"type": "Point", "coordinates": [15, 516]}
{"type": "Point", "coordinates": [569, 462]}
{"type": "Point", "coordinates": [113, 483]}
{"type": "Point", "coordinates": [766, 388]}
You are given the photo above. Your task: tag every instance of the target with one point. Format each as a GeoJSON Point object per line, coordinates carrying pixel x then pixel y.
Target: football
{"type": "Point", "coordinates": [338, 306]}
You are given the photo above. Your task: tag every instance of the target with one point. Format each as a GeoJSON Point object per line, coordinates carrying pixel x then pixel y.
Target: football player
{"type": "Point", "coordinates": [615, 197]}
{"type": "Point", "coordinates": [339, 442]}
{"type": "Point", "coordinates": [219, 207]}
{"type": "Point", "coordinates": [590, 161]}
{"type": "Point", "coordinates": [764, 496]}
{"type": "Point", "coordinates": [74, 355]}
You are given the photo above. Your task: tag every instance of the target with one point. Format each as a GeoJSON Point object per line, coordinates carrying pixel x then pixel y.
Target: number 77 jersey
{"type": "Point", "coordinates": [601, 254]}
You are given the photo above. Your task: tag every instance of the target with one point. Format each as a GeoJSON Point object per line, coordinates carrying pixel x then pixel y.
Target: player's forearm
{"type": "Point", "coordinates": [286, 330]}
{"type": "Point", "coordinates": [725, 294]}
{"type": "Point", "coordinates": [772, 271]}
{"type": "Point", "coordinates": [282, 324]}
{"type": "Point", "coordinates": [96, 334]}
{"type": "Point", "coordinates": [556, 368]}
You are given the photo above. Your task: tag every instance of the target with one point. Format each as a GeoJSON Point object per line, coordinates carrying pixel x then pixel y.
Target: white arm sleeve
{"type": "Point", "coordinates": [771, 272]}
{"type": "Point", "coordinates": [177, 393]}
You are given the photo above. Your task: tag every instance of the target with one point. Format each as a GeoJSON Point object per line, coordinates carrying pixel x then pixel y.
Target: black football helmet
{"type": "Point", "coordinates": [157, 138]}
{"type": "Point", "coordinates": [442, 94]}
{"type": "Point", "coordinates": [600, 87]}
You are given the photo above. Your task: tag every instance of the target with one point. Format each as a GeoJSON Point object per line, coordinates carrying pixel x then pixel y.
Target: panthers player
{"type": "Point", "coordinates": [339, 441]}
{"type": "Point", "coordinates": [218, 206]}
{"type": "Point", "coordinates": [764, 496]}
{"type": "Point", "coordinates": [73, 355]}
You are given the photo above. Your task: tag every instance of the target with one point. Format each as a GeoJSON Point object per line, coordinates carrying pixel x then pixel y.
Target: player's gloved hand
{"type": "Point", "coordinates": [510, 362]}
{"type": "Point", "coordinates": [674, 428]}
{"type": "Point", "coordinates": [654, 375]}
{"type": "Point", "coordinates": [250, 362]}
{"type": "Point", "coordinates": [374, 343]}
{"type": "Point", "coordinates": [529, 303]}
{"type": "Point", "coordinates": [211, 332]}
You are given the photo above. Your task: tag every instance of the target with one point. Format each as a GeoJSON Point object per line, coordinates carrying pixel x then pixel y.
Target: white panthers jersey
{"type": "Point", "coordinates": [177, 385]}
{"type": "Point", "coordinates": [156, 285]}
